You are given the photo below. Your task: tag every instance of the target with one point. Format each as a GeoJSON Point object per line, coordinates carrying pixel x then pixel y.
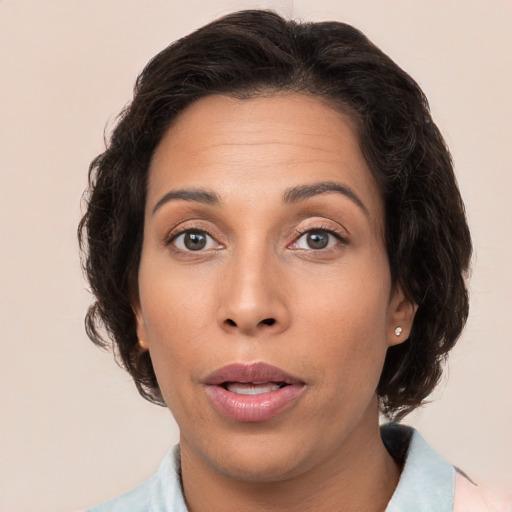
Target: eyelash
{"type": "Point", "coordinates": [298, 234]}
{"type": "Point", "coordinates": [173, 236]}
{"type": "Point", "coordinates": [338, 234]}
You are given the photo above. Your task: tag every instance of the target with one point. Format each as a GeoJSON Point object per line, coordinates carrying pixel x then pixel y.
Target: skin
{"type": "Point", "coordinates": [333, 310]}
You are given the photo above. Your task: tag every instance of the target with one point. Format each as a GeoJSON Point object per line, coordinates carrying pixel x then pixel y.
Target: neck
{"type": "Point", "coordinates": [359, 475]}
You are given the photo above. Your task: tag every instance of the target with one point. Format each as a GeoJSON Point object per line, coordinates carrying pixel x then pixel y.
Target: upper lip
{"type": "Point", "coordinates": [250, 372]}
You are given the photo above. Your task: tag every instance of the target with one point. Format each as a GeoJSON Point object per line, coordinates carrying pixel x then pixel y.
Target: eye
{"type": "Point", "coordinates": [317, 239]}
{"type": "Point", "coordinates": [194, 240]}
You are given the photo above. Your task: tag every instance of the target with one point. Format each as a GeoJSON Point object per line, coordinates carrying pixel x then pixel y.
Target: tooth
{"type": "Point", "coordinates": [251, 388]}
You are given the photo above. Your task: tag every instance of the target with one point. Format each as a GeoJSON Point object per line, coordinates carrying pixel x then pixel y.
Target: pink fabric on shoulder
{"type": "Point", "coordinates": [472, 498]}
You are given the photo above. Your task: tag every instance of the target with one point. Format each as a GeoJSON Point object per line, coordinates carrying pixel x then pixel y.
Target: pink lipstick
{"type": "Point", "coordinates": [252, 392]}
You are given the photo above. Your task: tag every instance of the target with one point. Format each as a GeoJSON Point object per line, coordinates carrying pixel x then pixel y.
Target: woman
{"type": "Point", "coordinates": [278, 250]}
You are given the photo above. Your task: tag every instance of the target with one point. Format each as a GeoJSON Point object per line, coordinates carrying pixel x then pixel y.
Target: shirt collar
{"type": "Point", "coordinates": [165, 493]}
{"type": "Point", "coordinates": [427, 481]}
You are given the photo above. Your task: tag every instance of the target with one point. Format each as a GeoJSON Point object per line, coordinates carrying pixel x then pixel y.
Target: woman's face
{"type": "Point", "coordinates": [265, 294]}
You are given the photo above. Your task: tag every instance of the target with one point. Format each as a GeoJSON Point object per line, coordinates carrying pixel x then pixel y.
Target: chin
{"type": "Point", "coordinates": [260, 467]}
{"type": "Point", "coordinates": [258, 456]}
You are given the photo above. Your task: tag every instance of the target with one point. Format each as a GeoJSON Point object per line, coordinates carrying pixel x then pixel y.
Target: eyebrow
{"type": "Point", "coordinates": [304, 192]}
{"type": "Point", "coordinates": [291, 195]}
{"type": "Point", "coordinates": [198, 195]}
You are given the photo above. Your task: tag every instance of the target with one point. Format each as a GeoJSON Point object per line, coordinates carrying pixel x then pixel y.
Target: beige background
{"type": "Point", "coordinates": [74, 431]}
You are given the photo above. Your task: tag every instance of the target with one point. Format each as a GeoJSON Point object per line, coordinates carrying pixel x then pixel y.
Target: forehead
{"type": "Point", "coordinates": [261, 146]}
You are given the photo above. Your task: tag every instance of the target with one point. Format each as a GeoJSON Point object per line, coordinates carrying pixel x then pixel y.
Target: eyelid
{"type": "Point", "coordinates": [322, 226]}
{"type": "Point", "coordinates": [339, 234]}
{"type": "Point", "coordinates": [176, 237]}
{"type": "Point", "coordinates": [189, 227]}
{"type": "Point", "coordinates": [193, 226]}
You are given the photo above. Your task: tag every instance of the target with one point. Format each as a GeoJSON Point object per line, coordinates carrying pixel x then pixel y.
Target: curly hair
{"type": "Point", "coordinates": [252, 53]}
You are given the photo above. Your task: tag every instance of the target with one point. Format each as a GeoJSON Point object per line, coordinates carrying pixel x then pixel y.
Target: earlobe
{"type": "Point", "coordinates": [143, 344]}
{"type": "Point", "coordinates": [402, 311]}
{"type": "Point", "coordinates": [140, 327]}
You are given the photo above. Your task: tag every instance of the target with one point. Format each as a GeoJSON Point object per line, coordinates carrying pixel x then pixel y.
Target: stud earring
{"type": "Point", "coordinates": [398, 330]}
{"type": "Point", "coordinates": [141, 344]}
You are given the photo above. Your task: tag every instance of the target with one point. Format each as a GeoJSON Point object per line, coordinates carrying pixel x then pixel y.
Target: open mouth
{"type": "Point", "coordinates": [253, 388]}
{"type": "Point", "coordinates": [252, 392]}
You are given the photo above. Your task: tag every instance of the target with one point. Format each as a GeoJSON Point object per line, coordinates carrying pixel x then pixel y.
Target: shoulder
{"type": "Point", "coordinates": [429, 482]}
{"type": "Point", "coordinates": [136, 500]}
{"type": "Point", "coordinates": [161, 493]}
{"type": "Point", "coordinates": [470, 497]}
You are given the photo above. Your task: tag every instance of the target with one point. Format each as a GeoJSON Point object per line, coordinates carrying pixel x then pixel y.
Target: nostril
{"type": "Point", "coordinates": [266, 321]}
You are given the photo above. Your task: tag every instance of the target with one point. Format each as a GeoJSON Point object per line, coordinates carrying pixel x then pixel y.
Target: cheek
{"type": "Point", "coordinates": [176, 320]}
{"type": "Point", "coordinates": [172, 299]}
{"type": "Point", "coordinates": [343, 319]}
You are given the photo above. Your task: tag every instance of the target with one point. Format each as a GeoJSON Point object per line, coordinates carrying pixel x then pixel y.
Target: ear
{"type": "Point", "coordinates": [141, 325]}
{"type": "Point", "coordinates": [401, 317]}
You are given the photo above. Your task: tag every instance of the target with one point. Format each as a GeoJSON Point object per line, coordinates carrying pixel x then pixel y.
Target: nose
{"type": "Point", "coordinates": [254, 297]}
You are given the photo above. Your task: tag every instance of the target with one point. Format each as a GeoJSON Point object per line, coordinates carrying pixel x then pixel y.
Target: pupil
{"type": "Point", "coordinates": [195, 241]}
{"type": "Point", "coordinates": [318, 240]}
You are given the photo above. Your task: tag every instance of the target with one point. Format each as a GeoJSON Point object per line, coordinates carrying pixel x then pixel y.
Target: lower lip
{"type": "Point", "coordinates": [254, 407]}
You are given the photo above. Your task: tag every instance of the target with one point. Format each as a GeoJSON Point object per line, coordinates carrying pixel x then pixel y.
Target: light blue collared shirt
{"type": "Point", "coordinates": [426, 484]}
